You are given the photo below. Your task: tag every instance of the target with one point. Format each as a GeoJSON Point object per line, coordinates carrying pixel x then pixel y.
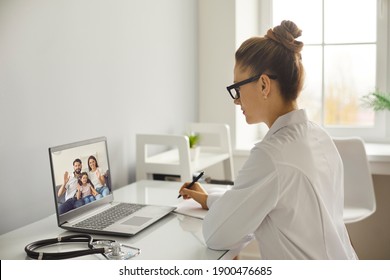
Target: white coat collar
{"type": "Point", "coordinates": [293, 117]}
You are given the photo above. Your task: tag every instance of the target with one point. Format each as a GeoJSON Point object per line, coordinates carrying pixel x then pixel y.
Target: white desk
{"type": "Point", "coordinates": [175, 237]}
{"type": "Point", "coordinates": [379, 158]}
{"type": "Point", "coordinates": [208, 156]}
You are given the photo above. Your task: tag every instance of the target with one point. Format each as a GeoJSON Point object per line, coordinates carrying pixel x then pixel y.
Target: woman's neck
{"type": "Point", "coordinates": [282, 110]}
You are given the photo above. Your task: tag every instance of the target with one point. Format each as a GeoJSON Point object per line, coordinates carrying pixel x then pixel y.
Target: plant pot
{"type": "Point", "coordinates": [194, 153]}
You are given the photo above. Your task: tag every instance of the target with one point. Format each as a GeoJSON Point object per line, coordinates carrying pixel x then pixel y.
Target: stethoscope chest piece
{"type": "Point", "coordinates": [115, 250]}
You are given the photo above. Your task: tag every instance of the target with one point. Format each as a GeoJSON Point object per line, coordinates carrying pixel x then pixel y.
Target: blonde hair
{"type": "Point", "coordinates": [278, 53]}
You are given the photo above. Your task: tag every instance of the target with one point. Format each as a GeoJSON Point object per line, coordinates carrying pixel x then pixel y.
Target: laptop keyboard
{"type": "Point", "coordinates": [109, 216]}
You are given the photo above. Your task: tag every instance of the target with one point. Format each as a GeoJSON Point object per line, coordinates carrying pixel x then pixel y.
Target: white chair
{"type": "Point", "coordinates": [215, 138]}
{"type": "Point", "coordinates": [359, 196]}
{"type": "Point", "coordinates": [174, 162]}
{"type": "Point", "coordinates": [175, 159]}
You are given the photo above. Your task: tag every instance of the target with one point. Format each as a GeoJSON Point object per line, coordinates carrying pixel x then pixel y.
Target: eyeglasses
{"type": "Point", "coordinates": [234, 89]}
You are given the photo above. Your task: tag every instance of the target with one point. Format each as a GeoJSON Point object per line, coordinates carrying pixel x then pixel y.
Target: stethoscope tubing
{"type": "Point", "coordinates": [30, 248]}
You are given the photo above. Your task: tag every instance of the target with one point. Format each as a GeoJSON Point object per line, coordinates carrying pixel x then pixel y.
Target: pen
{"type": "Point", "coordinates": [193, 181]}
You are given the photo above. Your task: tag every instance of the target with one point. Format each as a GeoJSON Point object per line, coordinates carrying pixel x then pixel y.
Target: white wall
{"type": "Point", "coordinates": [216, 60]}
{"type": "Point", "coordinates": [220, 34]}
{"type": "Point", "coordinates": [77, 69]}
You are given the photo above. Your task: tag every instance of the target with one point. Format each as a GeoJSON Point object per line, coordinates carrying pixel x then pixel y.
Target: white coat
{"type": "Point", "coordinates": [289, 195]}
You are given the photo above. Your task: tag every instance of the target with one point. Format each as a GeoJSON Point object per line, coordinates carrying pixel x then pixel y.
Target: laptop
{"type": "Point", "coordinates": [83, 196]}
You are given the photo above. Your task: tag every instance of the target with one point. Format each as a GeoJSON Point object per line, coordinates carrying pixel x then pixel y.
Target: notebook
{"type": "Point", "coordinates": [191, 208]}
{"type": "Point", "coordinates": [83, 196]}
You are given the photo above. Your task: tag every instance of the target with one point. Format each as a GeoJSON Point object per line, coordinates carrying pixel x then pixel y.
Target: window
{"type": "Point", "coordinates": [344, 56]}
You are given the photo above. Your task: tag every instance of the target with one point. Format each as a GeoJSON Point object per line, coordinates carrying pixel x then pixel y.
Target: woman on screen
{"type": "Point", "coordinates": [97, 176]}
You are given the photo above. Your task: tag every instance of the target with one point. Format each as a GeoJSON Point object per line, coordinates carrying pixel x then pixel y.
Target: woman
{"type": "Point", "coordinates": [97, 177]}
{"type": "Point", "coordinates": [289, 193]}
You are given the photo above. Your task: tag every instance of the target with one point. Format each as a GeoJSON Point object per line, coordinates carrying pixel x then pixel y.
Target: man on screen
{"type": "Point", "coordinates": [69, 187]}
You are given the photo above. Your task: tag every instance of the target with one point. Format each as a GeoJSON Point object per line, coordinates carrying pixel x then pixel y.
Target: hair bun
{"type": "Point", "coordinates": [285, 34]}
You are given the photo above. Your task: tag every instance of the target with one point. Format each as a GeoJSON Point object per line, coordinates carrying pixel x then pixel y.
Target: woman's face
{"type": "Point", "coordinates": [251, 99]}
{"type": "Point", "coordinates": [92, 163]}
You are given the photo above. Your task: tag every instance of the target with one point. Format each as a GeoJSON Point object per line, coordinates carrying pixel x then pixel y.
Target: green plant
{"type": "Point", "coordinates": [378, 101]}
{"type": "Point", "coordinates": [193, 139]}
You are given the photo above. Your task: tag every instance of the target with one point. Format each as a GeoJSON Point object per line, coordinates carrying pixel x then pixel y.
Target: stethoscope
{"type": "Point", "coordinates": [110, 249]}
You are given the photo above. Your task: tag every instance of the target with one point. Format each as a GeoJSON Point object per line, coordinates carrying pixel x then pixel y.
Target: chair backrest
{"type": "Point", "coordinates": [215, 136]}
{"type": "Point", "coordinates": [147, 166]}
{"type": "Point", "coordinates": [359, 196]}
{"type": "Point", "coordinates": [220, 130]}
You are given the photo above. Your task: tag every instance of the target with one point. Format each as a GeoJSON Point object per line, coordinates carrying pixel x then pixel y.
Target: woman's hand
{"type": "Point", "coordinates": [94, 191]}
{"type": "Point", "coordinates": [197, 192]}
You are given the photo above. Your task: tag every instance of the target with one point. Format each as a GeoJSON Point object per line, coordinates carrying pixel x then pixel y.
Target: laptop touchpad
{"type": "Point", "coordinates": [136, 221]}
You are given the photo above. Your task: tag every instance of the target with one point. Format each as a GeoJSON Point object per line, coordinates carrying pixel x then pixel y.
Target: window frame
{"type": "Point", "coordinates": [380, 132]}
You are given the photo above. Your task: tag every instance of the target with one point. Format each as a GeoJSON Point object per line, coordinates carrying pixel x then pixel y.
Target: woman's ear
{"type": "Point", "coordinates": [265, 86]}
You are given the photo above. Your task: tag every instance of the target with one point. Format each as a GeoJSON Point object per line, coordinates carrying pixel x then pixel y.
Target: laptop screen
{"type": "Point", "coordinates": [81, 177]}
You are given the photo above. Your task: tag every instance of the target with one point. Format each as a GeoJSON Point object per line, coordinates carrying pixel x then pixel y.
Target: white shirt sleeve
{"type": "Point", "coordinates": [236, 214]}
